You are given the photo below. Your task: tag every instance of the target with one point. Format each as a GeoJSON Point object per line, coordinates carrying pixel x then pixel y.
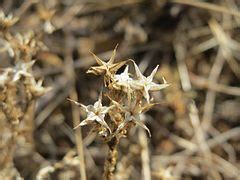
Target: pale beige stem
{"type": "Point", "coordinates": [75, 111]}
{"type": "Point", "coordinates": [111, 160]}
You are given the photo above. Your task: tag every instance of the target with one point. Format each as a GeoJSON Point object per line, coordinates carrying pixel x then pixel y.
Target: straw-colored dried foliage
{"type": "Point", "coordinates": [163, 104]}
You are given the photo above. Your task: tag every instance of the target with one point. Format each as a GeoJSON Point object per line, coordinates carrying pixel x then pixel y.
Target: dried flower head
{"type": "Point", "coordinates": [132, 113]}
{"type": "Point", "coordinates": [123, 80]}
{"type": "Point", "coordinates": [146, 84]}
{"type": "Point", "coordinates": [7, 21]}
{"type": "Point", "coordinates": [36, 87]}
{"type": "Point", "coordinates": [128, 98]}
{"type": "Point", "coordinates": [126, 95]}
{"type": "Point", "coordinates": [95, 113]}
{"type": "Point", "coordinates": [26, 45]}
{"type": "Point", "coordinates": [22, 69]}
{"type": "Point", "coordinates": [108, 69]}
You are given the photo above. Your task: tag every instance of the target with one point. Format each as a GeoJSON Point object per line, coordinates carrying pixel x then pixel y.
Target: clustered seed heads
{"type": "Point", "coordinates": [18, 91]}
{"type": "Point", "coordinates": [128, 96]}
{"type": "Point", "coordinates": [17, 83]}
{"type": "Point", "coordinates": [23, 46]}
{"type": "Point", "coordinates": [19, 46]}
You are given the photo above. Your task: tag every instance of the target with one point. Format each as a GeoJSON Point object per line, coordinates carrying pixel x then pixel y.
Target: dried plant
{"type": "Point", "coordinates": [128, 96]}
{"type": "Point", "coordinates": [18, 92]}
{"type": "Point", "coordinates": [194, 126]}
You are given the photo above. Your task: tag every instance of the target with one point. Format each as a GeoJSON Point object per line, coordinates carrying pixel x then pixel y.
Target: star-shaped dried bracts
{"type": "Point", "coordinates": [25, 46]}
{"type": "Point", "coordinates": [6, 21]}
{"type": "Point", "coordinates": [132, 113]}
{"type": "Point", "coordinates": [36, 87]}
{"type": "Point", "coordinates": [22, 70]}
{"type": "Point", "coordinates": [123, 81]}
{"type": "Point", "coordinates": [106, 68]}
{"type": "Point", "coordinates": [95, 113]}
{"type": "Point", "coordinates": [146, 84]}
